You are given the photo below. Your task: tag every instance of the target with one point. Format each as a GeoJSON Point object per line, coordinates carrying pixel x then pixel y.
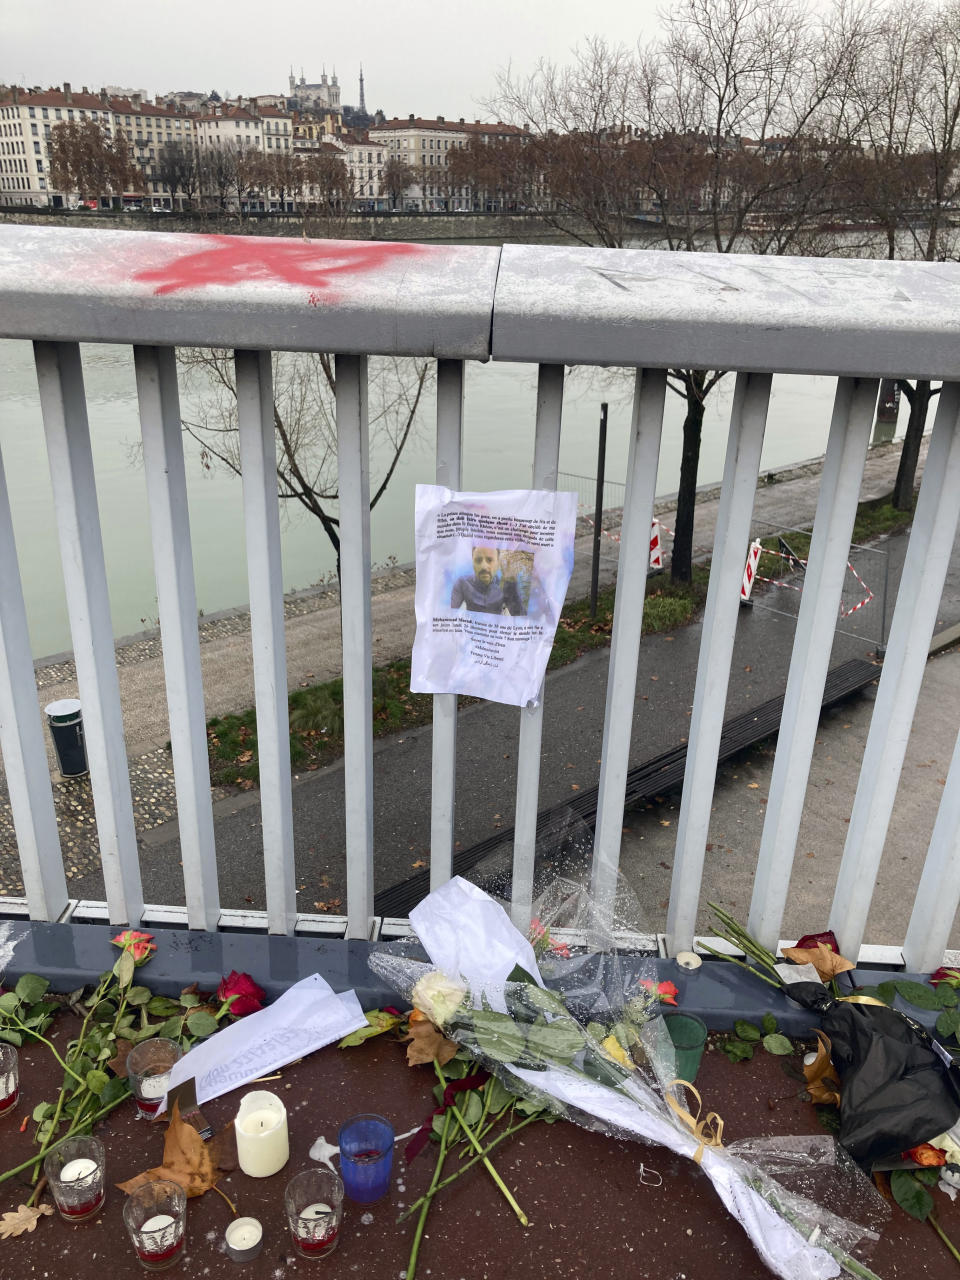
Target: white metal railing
{"type": "Point", "coordinates": [859, 321]}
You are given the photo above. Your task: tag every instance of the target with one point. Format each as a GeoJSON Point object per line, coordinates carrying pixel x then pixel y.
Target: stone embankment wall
{"type": "Point", "coordinates": [495, 228]}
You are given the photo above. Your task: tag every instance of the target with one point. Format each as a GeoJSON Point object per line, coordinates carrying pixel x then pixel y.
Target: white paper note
{"type": "Point", "coordinates": [305, 1018]}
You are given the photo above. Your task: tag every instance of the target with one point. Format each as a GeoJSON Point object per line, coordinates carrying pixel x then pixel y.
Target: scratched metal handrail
{"type": "Point", "coordinates": [551, 305]}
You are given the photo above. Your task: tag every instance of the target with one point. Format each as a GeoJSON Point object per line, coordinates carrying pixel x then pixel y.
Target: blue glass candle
{"type": "Point", "coordinates": [366, 1157]}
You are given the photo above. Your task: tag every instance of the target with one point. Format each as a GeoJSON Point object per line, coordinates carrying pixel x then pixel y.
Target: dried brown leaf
{"type": "Point", "coordinates": [25, 1219]}
{"type": "Point", "coordinates": [118, 1063]}
{"type": "Point", "coordinates": [826, 962]}
{"type": "Point", "coordinates": [427, 1043]}
{"type": "Point", "coordinates": [187, 1161]}
{"type": "Point", "coordinates": [823, 1084]}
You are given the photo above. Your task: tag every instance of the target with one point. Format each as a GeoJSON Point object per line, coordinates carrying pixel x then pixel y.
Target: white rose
{"type": "Point", "coordinates": [438, 996]}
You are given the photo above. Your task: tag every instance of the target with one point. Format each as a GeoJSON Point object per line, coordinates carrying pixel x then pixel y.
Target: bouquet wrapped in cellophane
{"type": "Point", "coordinates": [581, 1033]}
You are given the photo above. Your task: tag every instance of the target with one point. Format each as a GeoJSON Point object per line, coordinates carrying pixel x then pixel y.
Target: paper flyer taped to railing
{"type": "Point", "coordinates": [492, 573]}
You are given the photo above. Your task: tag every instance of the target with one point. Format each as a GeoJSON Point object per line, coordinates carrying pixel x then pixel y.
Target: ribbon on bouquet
{"type": "Point", "coordinates": [422, 1136]}
{"type": "Point", "coordinates": [708, 1131]}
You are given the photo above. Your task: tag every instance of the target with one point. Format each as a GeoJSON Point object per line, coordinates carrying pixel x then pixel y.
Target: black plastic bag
{"type": "Point", "coordinates": [896, 1089]}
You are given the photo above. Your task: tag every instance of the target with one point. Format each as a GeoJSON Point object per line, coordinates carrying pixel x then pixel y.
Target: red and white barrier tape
{"type": "Point", "coordinates": [750, 576]}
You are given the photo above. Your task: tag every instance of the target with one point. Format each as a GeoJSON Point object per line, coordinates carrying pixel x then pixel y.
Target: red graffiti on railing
{"type": "Point", "coordinates": [233, 260]}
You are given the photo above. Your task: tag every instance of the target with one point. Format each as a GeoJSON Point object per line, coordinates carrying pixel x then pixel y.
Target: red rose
{"type": "Point", "coordinates": [950, 976]}
{"type": "Point", "coordinates": [246, 996]}
{"type": "Point", "coordinates": [140, 945]}
{"type": "Point", "coordinates": [809, 941]}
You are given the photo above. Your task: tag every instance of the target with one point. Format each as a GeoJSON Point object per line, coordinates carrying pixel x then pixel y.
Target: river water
{"type": "Point", "coordinates": [498, 451]}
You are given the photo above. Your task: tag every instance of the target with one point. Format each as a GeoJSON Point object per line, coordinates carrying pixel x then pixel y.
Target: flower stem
{"type": "Point", "coordinates": [43, 1040]}
{"type": "Point", "coordinates": [27, 1164]}
{"type": "Point", "coordinates": [733, 960]}
{"type": "Point", "coordinates": [453, 1176]}
{"type": "Point", "coordinates": [931, 1218]}
{"type": "Point", "coordinates": [471, 1137]}
{"type": "Point", "coordinates": [418, 1234]}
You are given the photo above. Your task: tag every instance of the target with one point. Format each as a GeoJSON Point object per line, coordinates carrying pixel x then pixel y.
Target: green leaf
{"type": "Point", "coordinates": [829, 1117]}
{"type": "Point", "coordinates": [9, 1002]}
{"type": "Point", "coordinates": [125, 968]}
{"type": "Point", "coordinates": [114, 1088]}
{"type": "Point", "coordinates": [170, 1030]}
{"type": "Point", "coordinates": [747, 1031]}
{"type": "Point", "coordinates": [737, 1050]}
{"type": "Point", "coordinates": [42, 1110]}
{"type": "Point", "coordinates": [929, 1177]}
{"type": "Point", "coordinates": [597, 1030]}
{"type": "Point", "coordinates": [377, 1023]}
{"type": "Point", "coordinates": [105, 1012]}
{"type": "Point", "coordinates": [910, 1195]}
{"type": "Point", "coordinates": [498, 1095]}
{"type": "Point", "coordinates": [44, 1131]}
{"type": "Point", "coordinates": [769, 1024]}
{"type": "Point", "coordinates": [546, 1001]}
{"type": "Point", "coordinates": [887, 992]}
{"type": "Point", "coordinates": [11, 1037]}
{"type": "Point", "coordinates": [557, 1042]}
{"type": "Point", "coordinates": [917, 993]}
{"type": "Point", "coordinates": [610, 1073]}
{"type": "Point", "coordinates": [527, 1106]}
{"type": "Point", "coordinates": [201, 1023]}
{"type": "Point", "coordinates": [139, 995]}
{"type": "Point", "coordinates": [30, 988]}
{"type": "Point", "coordinates": [189, 999]}
{"type": "Point", "coordinates": [498, 1036]}
{"type": "Point", "coordinates": [777, 1044]}
{"type": "Point", "coordinates": [162, 1007]}
{"type": "Point", "coordinates": [948, 1024]}
{"type": "Point", "coordinates": [946, 995]}
{"type": "Point", "coordinates": [519, 974]}
{"type": "Point", "coordinates": [437, 1124]}
{"type": "Point", "coordinates": [472, 1109]}
{"type": "Point", "coordinates": [97, 1081]}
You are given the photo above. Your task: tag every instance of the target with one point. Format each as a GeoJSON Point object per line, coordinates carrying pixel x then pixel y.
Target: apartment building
{"type": "Point", "coordinates": [426, 146]}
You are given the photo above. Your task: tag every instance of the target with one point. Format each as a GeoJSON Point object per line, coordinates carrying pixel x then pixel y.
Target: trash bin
{"type": "Point", "coordinates": [66, 729]}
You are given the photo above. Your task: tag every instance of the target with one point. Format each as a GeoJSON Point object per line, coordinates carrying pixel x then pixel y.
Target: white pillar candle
{"type": "Point", "coordinates": [75, 1170]}
{"type": "Point", "coordinates": [314, 1211]}
{"type": "Point", "coordinates": [159, 1222]}
{"type": "Point", "coordinates": [263, 1145]}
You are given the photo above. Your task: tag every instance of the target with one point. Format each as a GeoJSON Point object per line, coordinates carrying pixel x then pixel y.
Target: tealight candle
{"type": "Point", "coordinates": [810, 1058]}
{"type": "Point", "coordinates": [688, 960]}
{"type": "Point", "coordinates": [263, 1145]}
{"type": "Point", "coordinates": [157, 1223]}
{"type": "Point", "coordinates": [75, 1170]}
{"type": "Point", "coordinates": [314, 1211]}
{"type": "Point", "coordinates": [244, 1238]}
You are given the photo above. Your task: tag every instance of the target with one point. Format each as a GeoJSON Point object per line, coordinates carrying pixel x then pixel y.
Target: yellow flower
{"type": "Point", "coordinates": [618, 1053]}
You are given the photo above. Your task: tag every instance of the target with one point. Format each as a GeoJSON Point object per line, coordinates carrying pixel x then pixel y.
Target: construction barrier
{"type": "Point", "coordinates": [750, 572]}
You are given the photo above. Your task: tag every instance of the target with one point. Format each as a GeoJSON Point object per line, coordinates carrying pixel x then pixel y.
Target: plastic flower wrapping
{"type": "Point", "coordinates": [567, 1017]}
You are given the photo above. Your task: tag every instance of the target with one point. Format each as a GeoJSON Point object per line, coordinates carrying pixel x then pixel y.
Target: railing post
{"type": "Point", "coordinates": [644, 454]}
{"type": "Point", "coordinates": [813, 642]}
{"type": "Point", "coordinates": [443, 790]}
{"type": "Point", "coordinates": [64, 407]}
{"type": "Point", "coordinates": [261, 514]}
{"type": "Point", "coordinates": [546, 460]}
{"type": "Point", "coordinates": [21, 740]}
{"type": "Point", "coordinates": [354, 463]}
{"type": "Point", "coordinates": [744, 444]}
{"type": "Point", "coordinates": [914, 617]}
{"type": "Point", "coordinates": [156, 369]}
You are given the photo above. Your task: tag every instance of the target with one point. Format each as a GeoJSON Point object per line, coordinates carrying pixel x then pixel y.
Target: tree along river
{"type": "Point", "coordinates": [500, 406]}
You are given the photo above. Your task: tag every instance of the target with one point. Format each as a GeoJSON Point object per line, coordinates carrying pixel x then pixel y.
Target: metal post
{"type": "Point", "coordinates": [598, 512]}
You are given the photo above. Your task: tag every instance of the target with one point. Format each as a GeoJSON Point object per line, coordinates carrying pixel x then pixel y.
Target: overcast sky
{"type": "Point", "coordinates": [428, 57]}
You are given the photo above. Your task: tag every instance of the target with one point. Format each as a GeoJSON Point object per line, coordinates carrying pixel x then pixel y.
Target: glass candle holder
{"type": "Point", "coordinates": [314, 1204]}
{"type": "Point", "coordinates": [155, 1216]}
{"type": "Point", "coordinates": [148, 1070]}
{"type": "Point", "coordinates": [9, 1078]}
{"type": "Point", "coordinates": [75, 1173]}
{"type": "Point", "coordinates": [366, 1157]}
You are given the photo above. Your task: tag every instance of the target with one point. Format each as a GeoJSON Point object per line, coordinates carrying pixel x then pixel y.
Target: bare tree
{"type": "Point", "coordinates": [217, 165]}
{"type": "Point", "coordinates": [84, 158]}
{"type": "Point", "coordinates": [397, 177]}
{"type": "Point", "coordinates": [177, 169]}
{"type": "Point", "coordinates": [304, 386]}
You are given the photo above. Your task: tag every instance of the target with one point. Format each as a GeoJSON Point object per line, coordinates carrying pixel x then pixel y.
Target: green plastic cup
{"type": "Point", "coordinates": [689, 1035]}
